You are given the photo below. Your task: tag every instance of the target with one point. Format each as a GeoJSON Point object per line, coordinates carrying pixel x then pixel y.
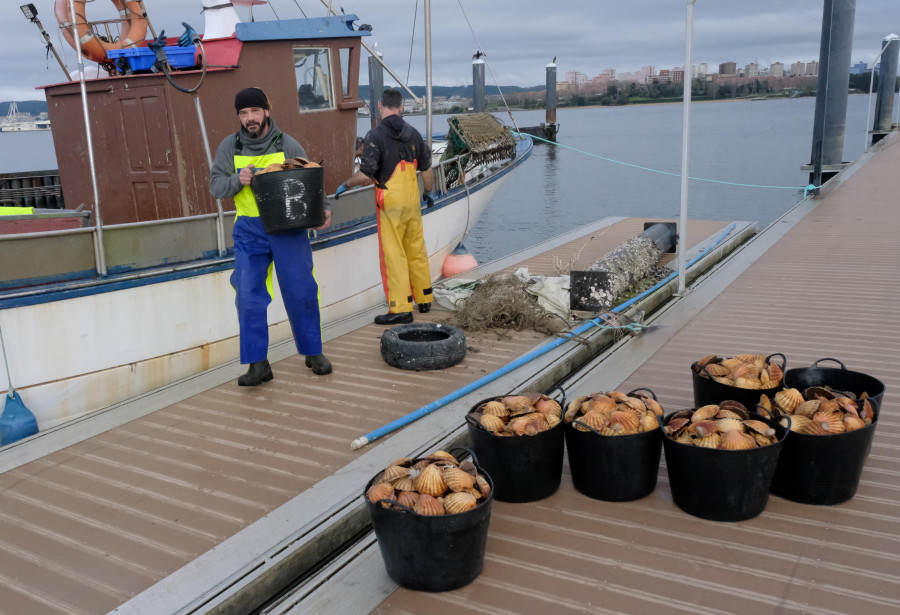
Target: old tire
{"type": "Point", "coordinates": [423, 346]}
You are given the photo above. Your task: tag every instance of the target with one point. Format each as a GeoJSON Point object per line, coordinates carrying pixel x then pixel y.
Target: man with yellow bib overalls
{"type": "Point", "coordinates": [258, 144]}
{"type": "Point", "coordinates": [392, 153]}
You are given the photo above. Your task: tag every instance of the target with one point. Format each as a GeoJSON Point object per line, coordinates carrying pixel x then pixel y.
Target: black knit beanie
{"type": "Point", "coordinates": [251, 97]}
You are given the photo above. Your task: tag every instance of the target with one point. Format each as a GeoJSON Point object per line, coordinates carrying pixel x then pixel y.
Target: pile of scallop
{"type": "Point", "coordinates": [726, 426]}
{"type": "Point", "coordinates": [745, 371]}
{"type": "Point", "coordinates": [526, 414]}
{"type": "Point", "coordinates": [434, 485]}
{"type": "Point", "coordinates": [614, 413]}
{"type": "Point", "coordinates": [821, 411]}
{"type": "Point", "coordinates": [290, 163]}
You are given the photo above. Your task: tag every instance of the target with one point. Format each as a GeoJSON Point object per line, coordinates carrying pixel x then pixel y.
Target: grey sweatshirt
{"type": "Point", "coordinates": [223, 179]}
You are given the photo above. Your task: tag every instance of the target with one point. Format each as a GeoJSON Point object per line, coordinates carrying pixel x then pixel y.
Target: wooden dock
{"type": "Point", "coordinates": [206, 497]}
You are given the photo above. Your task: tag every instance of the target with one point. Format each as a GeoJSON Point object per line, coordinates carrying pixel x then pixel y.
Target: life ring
{"type": "Point", "coordinates": [423, 346]}
{"type": "Point", "coordinates": [134, 28]}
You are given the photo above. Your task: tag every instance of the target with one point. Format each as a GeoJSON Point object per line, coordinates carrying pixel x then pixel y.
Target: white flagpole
{"type": "Point", "coordinates": [685, 144]}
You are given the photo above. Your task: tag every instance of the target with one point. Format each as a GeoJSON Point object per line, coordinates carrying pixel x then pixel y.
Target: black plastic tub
{"type": "Point", "coordinates": [524, 468]}
{"type": "Point", "coordinates": [722, 485]}
{"type": "Point", "coordinates": [708, 391]}
{"type": "Point", "coordinates": [613, 468]}
{"type": "Point", "coordinates": [432, 554]}
{"type": "Point", "coordinates": [289, 200]}
{"type": "Point", "coordinates": [826, 470]}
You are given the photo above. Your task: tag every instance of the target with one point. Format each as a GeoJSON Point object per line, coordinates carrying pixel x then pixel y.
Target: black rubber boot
{"type": "Point", "coordinates": [394, 318]}
{"type": "Point", "coordinates": [319, 364]}
{"type": "Point", "coordinates": [258, 373]}
{"type": "Point", "coordinates": [424, 308]}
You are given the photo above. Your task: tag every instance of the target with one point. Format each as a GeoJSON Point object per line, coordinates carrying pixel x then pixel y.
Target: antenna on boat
{"type": "Point", "coordinates": [31, 15]}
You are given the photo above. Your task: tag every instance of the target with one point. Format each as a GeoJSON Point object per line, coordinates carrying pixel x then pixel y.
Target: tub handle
{"type": "Point", "coordinates": [395, 503]}
{"type": "Point", "coordinates": [470, 452]}
{"type": "Point", "coordinates": [471, 420]}
{"type": "Point", "coordinates": [586, 425]}
{"type": "Point", "coordinates": [783, 360]}
{"type": "Point", "coordinates": [557, 387]}
{"type": "Point", "coordinates": [816, 364]}
{"type": "Point", "coordinates": [652, 394]}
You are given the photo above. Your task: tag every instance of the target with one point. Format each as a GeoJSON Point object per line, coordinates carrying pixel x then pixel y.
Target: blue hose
{"type": "Point", "coordinates": [443, 401]}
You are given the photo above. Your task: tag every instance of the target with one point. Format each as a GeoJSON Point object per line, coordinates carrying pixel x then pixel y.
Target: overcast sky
{"type": "Point", "coordinates": [519, 36]}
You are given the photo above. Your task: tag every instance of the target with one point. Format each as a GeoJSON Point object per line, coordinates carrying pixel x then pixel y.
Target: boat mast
{"type": "Point", "coordinates": [99, 253]}
{"type": "Point", "coordinates": [428, 131]}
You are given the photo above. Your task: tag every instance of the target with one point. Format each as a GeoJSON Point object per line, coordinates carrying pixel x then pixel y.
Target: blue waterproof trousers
{"type": "Point", "coordinates": [290, 251]}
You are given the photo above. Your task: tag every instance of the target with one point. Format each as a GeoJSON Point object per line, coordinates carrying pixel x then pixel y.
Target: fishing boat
{"type": "Point", "coordinates": [136, 296]}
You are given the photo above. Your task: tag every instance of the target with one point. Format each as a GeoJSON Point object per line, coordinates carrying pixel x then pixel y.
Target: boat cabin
{"type": "Point", "coordinates": [148, 147]}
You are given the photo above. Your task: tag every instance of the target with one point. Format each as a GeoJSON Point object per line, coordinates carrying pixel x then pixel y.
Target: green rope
{"type": "Point", "coordinates": [806, 190]}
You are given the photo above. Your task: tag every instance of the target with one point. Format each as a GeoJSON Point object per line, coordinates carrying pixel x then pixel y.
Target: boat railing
{"type": "Point", "coordinates": [40, 263]}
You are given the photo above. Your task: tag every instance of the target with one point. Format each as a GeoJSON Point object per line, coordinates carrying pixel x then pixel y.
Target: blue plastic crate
{"type": "Point", "coordinates": [142, 58]}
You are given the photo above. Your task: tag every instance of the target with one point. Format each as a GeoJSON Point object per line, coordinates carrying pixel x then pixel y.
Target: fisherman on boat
{"type": "Point", "coordinates": [392, 153]}
{"type": "Point", "coordinates": [258, 144]}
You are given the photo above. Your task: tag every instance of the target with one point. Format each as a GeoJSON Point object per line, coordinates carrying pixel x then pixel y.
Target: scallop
{"type": "Point", "coordinates": [776, 374]}
{"type": "Point", "coordinates": [381, 491]}
{"type": "Point", "coordinates": [444, 456]}
{"type": "Point", "coordinates": [629, 422]}
{"type": "Point", "coordinates": [708, 441]}
{"type": "Point", "coordinates": [760, 427]}
{"type": "Point", "coordinates": [676, 425]}
{"type": "Point", "coordinates": [404, 483]}
{"type": "Point", "coordinates": [516, 403]}
{"type": "Point", "coordinates": [483, 485]}
{"type": "Point", "coordinates": [428, 506]}
{"type": "Point", "coordinates": [549, 407]}
{"type": "Point", "coordinates": [649, 422]}
{"type": "Point", "coordinates": [729, 424]}
{"type": "Point", "coordinates": [459, 502]}
{"type": "Point", "coordinates": [494, 408]}
{"type": "Point", "coordinates": [811, 428]}
{"type": "Point", "coordinates": [601, 402]}
{"type": "Point", "coordinates": [653, 406]}
{"type": "Point", "coordinates": [747, 383]}
{"type": "Point", "coordinates": [762, 440]}
{"type": "Point", "coordinates": [807, 408]}
{"type": "Point", "coordinates": [701, 429]}
{"type": "Point", "coordinates": [406, 462]}
{"type": "Point", "coordinates": [553, 421]}
{"type": "Point", "coordinates": [492, 423]}
{"type": "Point", "coordinates": [736, 407]}
{"type": "Point", "coordinates": [408, 498]}
{"type": "Point", "coordinates": [704, 412]}
{"type": "Point", "coordinates": [730, 364]}
{"type": "Point", "coordinates": [737, 441]}
{"type": "Point", "coordinates": [392, 473]}
{"type": "Point", "coordinates": [597, 420]}
{"type": "Point", "coordinates": [714, 369]}
{"type": "Point", "coordinates": [707, 360]}
{"type": "Point", "coordinates": [852, 423]}
{"type": "Point", "coordinates": [574, 408]}
{"type": "Point", "coordinates": [430, 481]}
{"type": "Point", "coordinates": [468, 466]}
{"type": "Point", "coordinates": [744, 370]}
{"type": "Point", "coordinates": [788, 399]}
{"type": "Point", "coordinates": [832, 422]}
{"type": "Point", "coordinates": [458, 480]}
{"type": "Point", "coordinates": [799, 423]}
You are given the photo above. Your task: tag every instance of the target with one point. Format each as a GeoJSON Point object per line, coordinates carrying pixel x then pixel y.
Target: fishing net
{"type": "Point", "coordinates": [480, 139]}
{"type": "Point", "coordinates": [501, 302]}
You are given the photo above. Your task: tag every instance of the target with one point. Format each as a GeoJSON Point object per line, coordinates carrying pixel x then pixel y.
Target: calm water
{"type": "Point", "coordinates": [558, 189]}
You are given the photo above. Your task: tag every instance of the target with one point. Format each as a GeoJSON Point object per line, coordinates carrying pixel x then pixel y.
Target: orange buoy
{"type": "Point", "coordinates": [458, 261]}
{"type": "Point", "coordinates": [134, 28]}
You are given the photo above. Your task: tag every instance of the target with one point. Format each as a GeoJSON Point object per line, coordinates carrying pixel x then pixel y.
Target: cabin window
{"type": "Point", "coordinates": [312, 67]}
{"type": "Point", "coordinates": [345, 71]}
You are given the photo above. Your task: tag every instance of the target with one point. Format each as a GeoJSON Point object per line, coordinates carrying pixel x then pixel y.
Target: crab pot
{"type": "Point", "coordinates": [291, 199]}
{"type": "Point", "coordinates": [613, 468]}
{"type": "Point", "coordinates": [431, 554]}
{"type": "Point", "coordinates": [722, 485]}
{"type": "Point", "coordinates": [708, 391]}
{"type": "Point", "coordinates": [524, 468]}
{"type": "Point", "coordinates": [826, 469]}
